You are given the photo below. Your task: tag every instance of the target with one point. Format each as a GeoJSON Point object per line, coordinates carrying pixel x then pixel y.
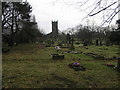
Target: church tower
{"type": "Point", "coordinates": [55, 29]}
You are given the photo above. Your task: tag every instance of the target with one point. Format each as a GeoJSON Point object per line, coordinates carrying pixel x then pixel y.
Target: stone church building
{"type": "Point", "coordinates": [54, 34]}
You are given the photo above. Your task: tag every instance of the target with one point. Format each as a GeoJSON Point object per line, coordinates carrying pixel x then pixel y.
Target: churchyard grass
{"type": "Point", "coordinates": [31, 66]}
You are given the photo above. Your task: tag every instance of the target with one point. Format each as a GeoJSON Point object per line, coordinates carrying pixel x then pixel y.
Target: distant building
{"type": "Point", "coordinates": [54, 29]}
{"type": "Point", "coordinates": [54, 34]}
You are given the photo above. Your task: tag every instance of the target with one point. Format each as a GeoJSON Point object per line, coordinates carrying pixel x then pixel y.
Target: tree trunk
{"type": "Point", "coordinates": [11, 43]}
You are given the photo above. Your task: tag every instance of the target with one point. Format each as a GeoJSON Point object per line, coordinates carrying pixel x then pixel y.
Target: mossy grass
{"type": "Point", "coordinates": [31, 66]}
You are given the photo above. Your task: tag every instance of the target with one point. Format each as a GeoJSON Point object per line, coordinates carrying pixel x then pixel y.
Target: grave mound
{"type": "Point", "coordinates": [76, 66]}
{"type": "Point", "coordinates": [57, 56]}
{"type": "Point", "coordinates": [109, 65]}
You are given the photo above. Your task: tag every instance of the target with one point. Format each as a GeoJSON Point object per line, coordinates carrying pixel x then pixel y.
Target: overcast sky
{"type": "Point", "coordinates": [67, 15]}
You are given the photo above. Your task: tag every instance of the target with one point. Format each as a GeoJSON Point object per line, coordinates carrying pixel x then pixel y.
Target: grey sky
{"type": "Point", "coordinates": [67, 15]}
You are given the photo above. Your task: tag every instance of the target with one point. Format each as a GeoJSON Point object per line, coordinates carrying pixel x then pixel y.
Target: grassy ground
{"type": "Point", "coordinates": [31, 66]}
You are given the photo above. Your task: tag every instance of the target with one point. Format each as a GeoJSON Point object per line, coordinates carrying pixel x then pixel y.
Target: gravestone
{"type": "Point", "coordinates": [97, 42]}
{"type": "Point", "coordinates": [57, 57]}
{"type": "Point", "coordinates": [5, 50]}
{"type": "Point", "coordinates": [118, 64]}
{"type": "Point", "coordinates": [85, 43]}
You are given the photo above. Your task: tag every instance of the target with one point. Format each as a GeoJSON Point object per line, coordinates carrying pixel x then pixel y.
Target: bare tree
{"type": "Point", "coordinates": [12, 14]}
{"type": "Point", "coordinates": [108, 9]}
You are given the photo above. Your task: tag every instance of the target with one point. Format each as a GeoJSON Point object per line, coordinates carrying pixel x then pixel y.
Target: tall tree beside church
{"type": "Point", "coordinates": [13, 13]}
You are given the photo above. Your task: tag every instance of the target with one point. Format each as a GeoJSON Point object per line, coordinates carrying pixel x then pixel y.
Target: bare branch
{"type": "Point", "coordinates": [110, 18]}
{"type": "Point", "coordinates": [84, 3]}
{"type": "Point", "coordinates": [103, 9]}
